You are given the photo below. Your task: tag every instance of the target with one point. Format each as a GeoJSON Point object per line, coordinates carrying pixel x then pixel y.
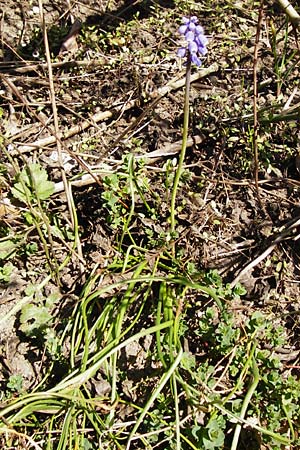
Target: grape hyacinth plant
{"type": "Point", "coordinates": [194, 49]}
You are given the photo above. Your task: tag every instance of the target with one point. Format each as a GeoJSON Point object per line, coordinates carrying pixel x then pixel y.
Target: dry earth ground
{"type": "Point", "coordinates": [110, 67]}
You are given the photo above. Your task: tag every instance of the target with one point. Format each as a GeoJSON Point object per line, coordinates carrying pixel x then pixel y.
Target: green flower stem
{"type": "Point", "coordinates": [246, 402]}
{"type": "Point", "coordinates": [177, 415]}
{"type": "Point", "coordinates": [184, 143]}
{"type": "Point", "coordinates": [164, 379]}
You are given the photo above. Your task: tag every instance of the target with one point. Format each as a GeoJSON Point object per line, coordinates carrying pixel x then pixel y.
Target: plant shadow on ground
{"type": "Point", "coordinates": [106, 22]}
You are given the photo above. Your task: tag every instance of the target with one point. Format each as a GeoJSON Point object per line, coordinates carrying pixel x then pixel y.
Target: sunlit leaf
{"type": "Point", "coordinates": [32, 183]}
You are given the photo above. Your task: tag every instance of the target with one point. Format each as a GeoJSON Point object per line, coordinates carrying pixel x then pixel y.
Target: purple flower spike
{"type": "Point", "coordinates": [196, 41]}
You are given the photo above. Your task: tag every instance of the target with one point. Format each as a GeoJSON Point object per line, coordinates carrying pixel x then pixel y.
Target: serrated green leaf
{"type": "Point", "coordinates": [52, 299]}
{"type": "Point", "coordinates": [208, 445]}
{"type": "Point", "coordinates": [32, 183]}
{"type": "Point", "coordinates": [5, 272]}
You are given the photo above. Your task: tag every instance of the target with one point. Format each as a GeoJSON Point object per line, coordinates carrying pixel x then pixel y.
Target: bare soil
{"type": "Point", "coordinates": [223, 225]}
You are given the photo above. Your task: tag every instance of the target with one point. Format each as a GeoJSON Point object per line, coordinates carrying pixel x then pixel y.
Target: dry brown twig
{"type": "Point", "coordinates": [287, 233]}
{"type": "Point", "coordinates": [168, 150]}
{"type": "Point", "coordinates": [53, 103]}
{"type": "Point", "coordinates": [290, 11]}
{"type": "Point", "coordinates": [104, 115]}
{"type": "Point", "coordinates": [67, 189]}
{"type": "Point", "coordinates": [255, 98]}
{"type": "Point", "coordinates": [21, 67]}
{"type": "Point", "coordinates": [23, 100]}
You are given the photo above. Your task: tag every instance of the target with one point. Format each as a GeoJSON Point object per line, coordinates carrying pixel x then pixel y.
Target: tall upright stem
{"type": "Point", "coordinates": [183, 146]}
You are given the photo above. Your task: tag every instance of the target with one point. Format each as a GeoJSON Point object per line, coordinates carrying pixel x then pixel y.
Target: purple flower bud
{"type": "Point", "coordinates": [201, 40]}
{"type": "Point", "coordinates": [199, 29]}
{"type": "Point", "coordinates": [189, 36]}
{"type": "Point", "coordinates": [195, 59]}
{"type": "Point", "coordinates": [193, 47]}
{"type": "Point", "coordinates": [202, 50]}
{"type": "Point", "coordinates": [183, 29]}
{"type": "Point", "coordinates": [181, 52]}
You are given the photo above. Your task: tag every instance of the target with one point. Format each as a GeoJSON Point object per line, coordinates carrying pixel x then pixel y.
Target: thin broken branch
{"type": "Point", "coordinates": [290, 11]}
{"type": "Point", "coordinates": [167, 150]}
